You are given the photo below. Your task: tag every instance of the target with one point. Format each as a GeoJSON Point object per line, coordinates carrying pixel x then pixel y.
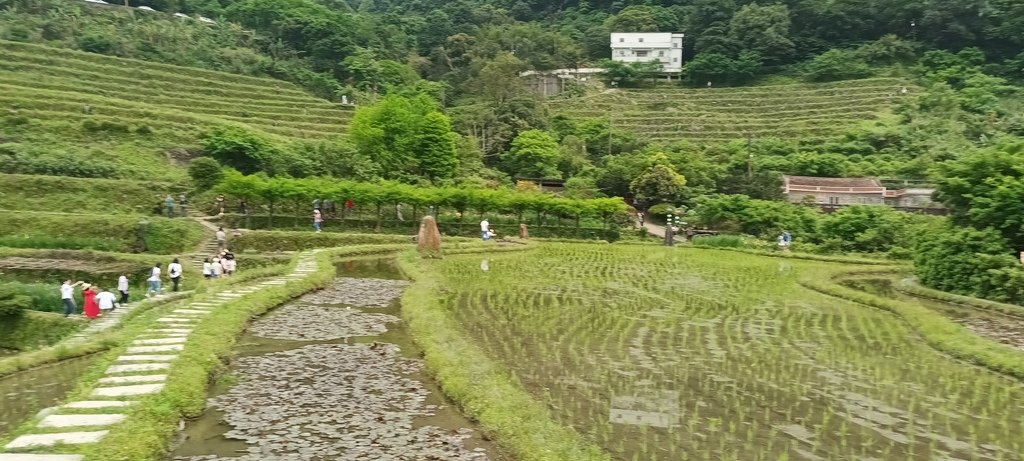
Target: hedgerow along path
{"type": "Point", "coordinates": [666, 354]}
{"type": "Point", "coordinates": [797, 111]}
{"type": "Point", "coordinates": [142, 370]}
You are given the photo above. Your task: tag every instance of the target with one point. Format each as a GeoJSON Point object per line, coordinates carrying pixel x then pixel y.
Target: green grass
{"type": "Point", "coordinates": [99, 232]}
{"type": "Point", "coordinates": [729, 352]}
{"type": "Point", "coordinates": [83, 195]}
{"type": "Point", "coordinates": [806, 111]}
{"type": "Point", "coordinates": [138, 112]}
{"type": "Point", "coordinates": [30, 330]}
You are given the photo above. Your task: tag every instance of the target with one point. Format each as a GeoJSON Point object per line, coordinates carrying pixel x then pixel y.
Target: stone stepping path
{"type": "Point", "coordinates": [112, 318]}
{"type": "Point", "coordinates": [134, 374]}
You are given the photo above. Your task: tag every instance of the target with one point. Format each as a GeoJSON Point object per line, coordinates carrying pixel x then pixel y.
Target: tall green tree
{"type": "Point", "coordinates": [534, 154]}
{"type": "Point", "coordinates": [764, 29]}
{"type": "Point", "coordinates": [436, 152]}
{"type": "Point", "coordinates": [658, 184]}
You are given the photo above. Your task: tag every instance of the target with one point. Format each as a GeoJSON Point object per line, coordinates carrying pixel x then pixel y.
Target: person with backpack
{"type": "Point", "coordinates": [174, 272]}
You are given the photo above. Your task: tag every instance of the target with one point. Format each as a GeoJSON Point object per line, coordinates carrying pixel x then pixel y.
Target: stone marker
{"type": "Point", "coordinates": [428, 241]}
{"type": "Point", "coordinates": [46, 440]}
{"type": "Point", "coordinates": [80, 420]}
{"type": "Point", "coordinates": [121, 391]}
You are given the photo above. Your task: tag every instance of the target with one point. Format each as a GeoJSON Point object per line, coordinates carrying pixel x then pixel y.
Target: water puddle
{"type": "Point", "coordinates": [23, 394]}
{"type": "Point", "coordinates": [333, 375]}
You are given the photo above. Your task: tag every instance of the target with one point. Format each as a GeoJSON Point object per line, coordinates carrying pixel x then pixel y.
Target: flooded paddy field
{"type": "Point", "coordinates": [333, 375]}
{"type": "Point", "coordinates": [998, 327]}
{"type": "Point", "coordinates": [24, 393]}
{"type": "Point", "coordinates": [713, 355]}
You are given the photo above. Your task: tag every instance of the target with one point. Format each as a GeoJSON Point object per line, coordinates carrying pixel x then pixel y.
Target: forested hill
{"type": "Point", "coordinates": [329, 45]}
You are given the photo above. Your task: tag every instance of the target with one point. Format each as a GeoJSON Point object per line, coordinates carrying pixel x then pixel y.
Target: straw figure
{"type": "Point", "coordinates": [523, 233]}
{"type": "Point", "coordinates": [428, 242]}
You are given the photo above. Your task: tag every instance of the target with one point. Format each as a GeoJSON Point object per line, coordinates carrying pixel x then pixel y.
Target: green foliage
{"type": "Point", "coordinates": [534, 154]}
{"type": "Point", "coordinates": [30, 330]}
{"type": "Point", "coordinates": [659, 183]}
{"type": "Point", "coordinates": [722, 69]}
{"type": "Point", "coordinates": [98, 232]}
{"type": "Point", "coordinates": [81, 195]}
{"type": "Point", "coordinates": [631, 74]}
{"type": "Point", "coordinates": [436, 147]}
{"type": "Point", "coordinates": [837, 64]}
{"type": "Point", "coordinates": [968, 261]}
{"type": "Point", "coordinates": [263, 241]}
{"type": "Point", "coordinates": [868, 229]}
{"type": "Point", "coordinates": [985, 189]}
{"type": "Point", "coordinates": [240, 149]}
{"type": "Point", "coordinates": [205, 173]}
{"type": "Point", "coordinates": [12, 303]}
{"type": "Point", "coordinates": [760, 218]}
{"type": "Point", "coordinates": [406, 137]}
{"type": "Point", "coordinates": [764, 29]}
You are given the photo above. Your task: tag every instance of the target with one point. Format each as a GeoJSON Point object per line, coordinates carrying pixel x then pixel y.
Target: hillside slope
{"type": "Point", "coordinates": [119, 117]}
{"type": "Point", "coordinates": [801, 111]}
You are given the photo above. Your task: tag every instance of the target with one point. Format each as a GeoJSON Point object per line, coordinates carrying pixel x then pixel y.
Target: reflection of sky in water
{"type": "Point", "coordinates": [651, 408]}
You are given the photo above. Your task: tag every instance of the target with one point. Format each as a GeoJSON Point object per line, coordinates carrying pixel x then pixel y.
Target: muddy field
{"type": "Point", "coordinates": [332, 376]}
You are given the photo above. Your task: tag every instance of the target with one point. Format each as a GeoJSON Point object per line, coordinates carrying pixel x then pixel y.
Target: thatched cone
{"type": "Point", "coordinates": [428, 242]}
{"type": "Point", "coordinates": [523, 233]}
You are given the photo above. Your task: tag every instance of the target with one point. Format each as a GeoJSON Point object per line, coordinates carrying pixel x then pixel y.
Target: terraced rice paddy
{"type": "Point", "coordinates": [54, 85]}
{"type": "Point", "coordinates": [661, 354]}
{"type": "Point", "coordinates": [804, 111]}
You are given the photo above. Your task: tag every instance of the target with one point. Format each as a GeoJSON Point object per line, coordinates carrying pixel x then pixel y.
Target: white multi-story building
{"type": "Point", "coordinates": [664, 47]}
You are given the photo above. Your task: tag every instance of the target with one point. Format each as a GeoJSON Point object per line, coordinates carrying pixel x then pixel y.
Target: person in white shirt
{"type": "Point", "coordinates": [218, 268]}
{"type": "Point", "coordinates": [122, 286]}
{"type": "Point", "coordinates": [484, 228]}
{"type": "Point", "coordinates": [174, 272]}
{"type": "Point", "coordinates": [154, 280]}
{"type": "Point", "coordinates": [229, 266]}
{"type": "Point", "coordinates": [207, 268]}
{"type": "Point", "coordinates": [106, 301]}
{"type": "Point", "coordinates": [67, 296]}
{"type": "Point", "coordinates": [221, 238]}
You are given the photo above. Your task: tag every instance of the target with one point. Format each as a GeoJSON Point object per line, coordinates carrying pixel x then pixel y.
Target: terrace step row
{"type": "Point", "coordinates": [126, 380]}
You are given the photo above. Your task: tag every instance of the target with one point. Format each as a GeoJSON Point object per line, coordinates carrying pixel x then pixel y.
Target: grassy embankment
{"type": "Point", "coordinates": [138, 112]}
{"type": "Point", "coordinates": [796, 111]}
{"type": "Point", "coordinates": [117, 233]}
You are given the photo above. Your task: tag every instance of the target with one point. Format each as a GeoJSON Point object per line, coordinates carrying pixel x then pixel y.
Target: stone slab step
{"type": "Point", "coordinates": [170, 330]}
{"type": "Point", "coordinates": [48, 440]}
{"type": "Point", "coordinates": [147, 358]}
{"type": "Point", "coordinates": [192, 311]}
{"type": "Point", "coordinates": [122, 391]}
{"type": "Point", "coordinates": [92, 404]}
{"type": "Point", "coordinates": [145, 342]}
{"type": "Point", "coordinates": [133, 379]}
{"type": "Point", "coordinates": [137, 367]}
{"type": "Point", "coordinates": [175, 320]}
{"type": "Point", "coordinates": [161, 348]}
{"type": "Point", "coordinates": [34, 457]}
{"type": "Point", "coordinates": [80, 420]}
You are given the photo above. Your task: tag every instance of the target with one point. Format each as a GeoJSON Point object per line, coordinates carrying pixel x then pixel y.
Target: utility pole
{"type": "Point", "coordinates": [750, 159]}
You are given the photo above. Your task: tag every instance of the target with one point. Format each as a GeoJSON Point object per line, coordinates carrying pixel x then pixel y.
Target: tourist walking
{"type": "Point", "coordinates": [317, 219]}
{"type": "Point", "coordinates": [640, 217]}
{"type": "Point", "coordinates": [243, 207]}
{"type": "Point", "coordinates": [228, 261]}
{"type": "Point", "coordinates": [485, 228]}
{"type": "Point", "coordinates": [169, 203]}
{"type": "Point", "coordinates": [207, 268]}
{"type": "Point", "coordinates": [122, 286]}
{"type": "Point", "coordinates": [220, 204]}
{"type": "Point", "coordinates": [218, 267]}
{"type": "Point", "coordinates": [174, 272]}
{"type": "Point", "coordinates": [222, 238]}
{"type": "Point", "coordinates": [89, 306]}
{"type": "Point", "coordinates": [182, 205]}
{"type": "Point", "coordinates": [398, 212]}
{"type": "Point", "coordinates": [105, 299]}
{"type": "Point", "coordinates": [154, 280]}
{"type": "Point", "coordinates": [67, 296]}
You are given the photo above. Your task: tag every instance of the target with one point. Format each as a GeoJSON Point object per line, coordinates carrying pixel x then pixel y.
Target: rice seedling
{"type": "Point", "coordinates": [708, 354]}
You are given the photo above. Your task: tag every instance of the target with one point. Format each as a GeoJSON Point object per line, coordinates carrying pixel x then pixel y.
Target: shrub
{"type": "Point", "coordinates": [718, 241]}
{"type": "Point", "coordinates": [205, 173]}
{"type": "Point", "coordinates": [837, 64]}
{"type": "Point", "coordinates": [12, 303]}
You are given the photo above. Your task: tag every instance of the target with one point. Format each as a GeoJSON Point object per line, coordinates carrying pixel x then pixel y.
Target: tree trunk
{"type": "Point", "coordinates": [378, 217]}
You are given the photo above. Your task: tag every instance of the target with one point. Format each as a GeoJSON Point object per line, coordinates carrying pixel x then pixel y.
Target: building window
{"type": "Point", "coordinates": [833, 200]}
{"type": "Point", "coordinates": [622, 40]}
{"type": "Point", "coordinates": [641, 39]}
{"type": "Point", "coordinates": [622, 52]}
{"type": "Point", "coordinates": [675, 59]}
{"type": "Point", "coordinates": [675, 45]}
{"type": "Point", "coordinates": [641, 54]}
{"type": "Point", "coordinates": [661, 54]}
